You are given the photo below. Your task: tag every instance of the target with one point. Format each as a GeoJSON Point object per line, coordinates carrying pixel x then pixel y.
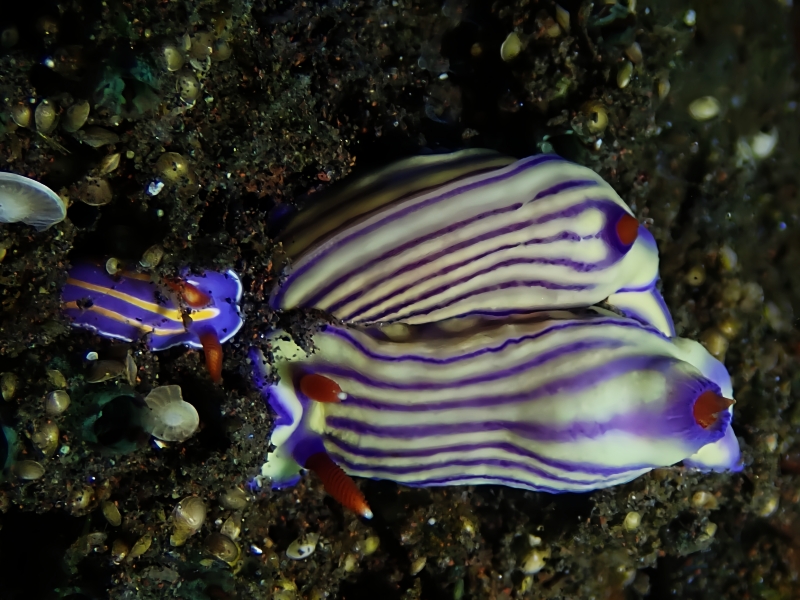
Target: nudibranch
{"type": "Point", "coordinates": [557, 401]}
{"type": "Point", "coordinates": [432, 238]}
{"type": "Point", "coordinates": [201, 311]}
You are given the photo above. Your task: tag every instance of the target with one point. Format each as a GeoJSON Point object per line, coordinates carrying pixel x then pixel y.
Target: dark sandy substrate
{"type": "Point", "coordinates": [309, 93]}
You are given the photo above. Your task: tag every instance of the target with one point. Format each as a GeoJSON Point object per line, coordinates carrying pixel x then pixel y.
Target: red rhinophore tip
{"type": "Point", "coordinates": [707, 408]}
{"type": "Point", "coordinates": [339, 484]}
{"type": "Point", "coordinates": [321, 388]}
{"type": "Point", "coordinates": [627, 229]}
{"type": "Point", "coordinates": [191, 295]}
{"type": "Point", "coordinates": [213, 352]}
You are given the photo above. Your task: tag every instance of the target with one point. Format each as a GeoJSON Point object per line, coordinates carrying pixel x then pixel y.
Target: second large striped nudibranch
{"type": "Point", "coordinates": [560, 401]}
{"type": "Point", "coordinates": [432, 238]}
{"type": "Point", "coordinates": [201, 311]}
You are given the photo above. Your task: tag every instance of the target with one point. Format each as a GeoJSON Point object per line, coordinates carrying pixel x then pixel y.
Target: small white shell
{"type": "Point", "coordinates": [28, 470]}
{"type": "Point", "coordinates": [187, 518]}
{"type": "Point", "coordinates": [704, 108]}
{"type": "Point", "coordinates": [303, 547]}
{"type": "Point", "coordinates": [632, 521]}
{"type": "Point", "coordinates": [234, 498]}
{"type": "Point", "coordinates": [56, 403]}
{"type": "Point", "coordinates": [511, 47]}
{"type": "Point", "coordinates": [23, 199]}
{"type": "Point", "coordinates": [172, 419]}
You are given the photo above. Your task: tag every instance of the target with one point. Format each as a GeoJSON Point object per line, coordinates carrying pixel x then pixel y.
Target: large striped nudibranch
{"type": "Point", "coordinates": [468, 233]}
{"type": "Point", "coordinates": [561, 401]}
{"type": "Point", "coordinates": [200, 311]}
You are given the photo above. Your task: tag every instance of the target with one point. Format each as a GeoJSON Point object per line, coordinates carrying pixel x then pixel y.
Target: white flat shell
{"type": "Point", "coordinates": [171, 418]}
{"type": "Point", "coordinates": [23, 199]}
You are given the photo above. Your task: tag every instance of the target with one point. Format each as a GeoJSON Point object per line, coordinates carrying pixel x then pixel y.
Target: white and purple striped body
{"type": "Point", "coordinates": [540, 233]}
{"type": "Point", "coordinates": [553, 401]}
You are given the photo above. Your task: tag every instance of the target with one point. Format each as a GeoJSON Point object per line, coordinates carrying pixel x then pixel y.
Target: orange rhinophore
{"type": "Point", "coordinates": [627, 229]}
{"type": "Point", "coordinates": [708, 406]}
{"type": "Point", "coordinates": [338, 484]}
{"type": "Point", "coordinates": [213, 351]}
{"type": "Point", "coordinates": [321, 388]}
{"type": "Point", "coordinates": [191, 295]}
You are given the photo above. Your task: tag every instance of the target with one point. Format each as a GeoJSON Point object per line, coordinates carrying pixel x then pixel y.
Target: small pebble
{"type": "Point", "coordinates": [727, 258]}
{"type": "Point", "coordinates": [535, 561]}
{"type": "Point", "coordinates": [303, 547]}
{"type": "Point", "coordinates": [704, 500]}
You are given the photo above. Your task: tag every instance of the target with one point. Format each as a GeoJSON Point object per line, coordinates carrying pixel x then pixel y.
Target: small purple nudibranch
{"type": "Point", "coordinates": [201, 311]}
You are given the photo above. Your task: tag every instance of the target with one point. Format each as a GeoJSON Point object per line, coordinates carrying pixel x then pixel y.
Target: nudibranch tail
{"type": "Point", "coordinates": [540, 233]}
{"type": "Point", "coordinates": [556, 401]}
{"type": "Point", "coordinates": [338, 484]}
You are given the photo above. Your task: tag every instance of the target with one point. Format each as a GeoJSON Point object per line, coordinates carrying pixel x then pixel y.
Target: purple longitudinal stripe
{"type": "Point", "coordinates": [632, 424]}
{"type": "Point", "coordinates": [567, 383]}
{"type": "Point", "coordinates": [566, 235]}
{"type": "Point", "coordinates": [490, 179]}
{"type": "Point", "coordinates": [581, 267]}
{"type": "Point", "coordinates": [102, 325]}
{"type": "Point", "coordinates": [358, 313]}
{"type": "Point", "coordinates": [345, 334]}
{"type": "Point", "coordinates": [326, 289]}
{"type": "Point", "coordinates": [489, 463]}
{"type": "Point", "coordinates": [124, 308]}
{"type": "Point", "coordinates": [506, 285]}
{"type": "Point", "coordinates": [561, 465]}
{"type": "Point", "coordinates": [564, 186]}
{"type": "Point", "coordinates": [323, 291]}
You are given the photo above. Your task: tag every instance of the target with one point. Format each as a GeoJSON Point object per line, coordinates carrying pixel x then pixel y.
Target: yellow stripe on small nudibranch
{"type": "Point", "coordinates": [111, 314]}
{"type": "Point", "coordinates": [172, 314]}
